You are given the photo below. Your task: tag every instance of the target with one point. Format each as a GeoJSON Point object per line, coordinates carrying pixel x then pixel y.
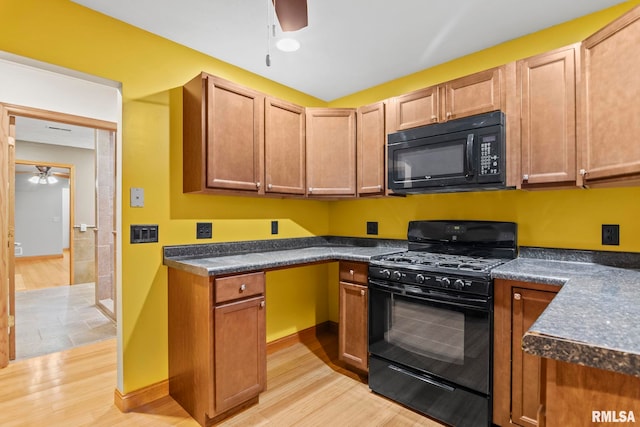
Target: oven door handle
{"type": "Point", "coordinates": [423, 378]}
{"type": "Point", "coordinates": [436, 297]}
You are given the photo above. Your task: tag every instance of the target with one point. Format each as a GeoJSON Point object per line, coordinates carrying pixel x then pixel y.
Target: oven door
{"type": "Point", "coordinates": [438, 333]}
{"type": "Point", "coordinates": [435, 161]}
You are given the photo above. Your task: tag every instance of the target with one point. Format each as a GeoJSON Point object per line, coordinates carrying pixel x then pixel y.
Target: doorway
{"type": "Point", "coordinates": [74, 246]}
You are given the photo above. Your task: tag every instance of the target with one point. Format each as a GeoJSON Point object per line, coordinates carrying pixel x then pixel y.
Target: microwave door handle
{"type": "Point", "coordinates": [469, 155]}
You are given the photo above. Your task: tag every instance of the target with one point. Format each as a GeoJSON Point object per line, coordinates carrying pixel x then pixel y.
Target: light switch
{"type": "Point", "coordinates": [137, 197]}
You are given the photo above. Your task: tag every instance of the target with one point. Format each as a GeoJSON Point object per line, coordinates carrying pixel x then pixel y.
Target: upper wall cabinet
{"type": "Point", "coordinates": [223, 136]}
{"type": "Point", "coordinates": [474, 94]}
{"type": "Point", "coordinates": [546, 87]}
{"type": "Point", "coordinates": [610, 103]}
{"type": "Point", "coordinates": [371, 136]}
{"type": "Point", "coordinates": [284, 147]}
{"type": "Point", "coordinates": [331, 151]}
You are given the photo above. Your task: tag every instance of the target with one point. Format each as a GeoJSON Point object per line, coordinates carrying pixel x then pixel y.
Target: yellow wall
{"type": "Point", "coordinates": [152, 70]}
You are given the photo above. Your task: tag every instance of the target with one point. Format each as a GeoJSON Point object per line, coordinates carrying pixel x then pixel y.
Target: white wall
{"type": "Point", "coordinates": [39, 217]}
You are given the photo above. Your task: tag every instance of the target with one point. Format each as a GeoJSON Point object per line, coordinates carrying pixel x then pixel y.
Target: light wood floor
{"type": "Point", "coordinates": [305, 387]}
{"type": "Point", "coordinates": [42, 273]}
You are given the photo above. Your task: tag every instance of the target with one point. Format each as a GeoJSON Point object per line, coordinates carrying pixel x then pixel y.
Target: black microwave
{"type": "Point", "coordinates": [465, 154]}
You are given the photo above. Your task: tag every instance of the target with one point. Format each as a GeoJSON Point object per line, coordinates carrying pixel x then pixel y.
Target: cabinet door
{"type": "Point", "coordinates": [352, 330]}
{"type": "Point", "coordinates": [474, 94]}
{"type": "Point", "coordinates": [547, 85]}
{"type": "Point", "coordinates": [284, 147]}
{"type": "Point", "coordinates": [610, 94]}
{"type": "Point", "coordinates": [371, 149]}
{"type": "Point", "coordinates": [234, 136]}
{"type": "Point", "coordinates": [331, 151]}
{"type": "Point", "coordinates": [240, 352]}
{"type": "Point", "coordinates": [526, 378]}
{"type": "Point", "coordinates": [415, 109]}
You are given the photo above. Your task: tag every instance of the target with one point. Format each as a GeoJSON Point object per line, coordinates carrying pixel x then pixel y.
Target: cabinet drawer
{"type": "Point", "coordinates": [356, 272]}
{"type": "Point", "coordinates": [241, 286]}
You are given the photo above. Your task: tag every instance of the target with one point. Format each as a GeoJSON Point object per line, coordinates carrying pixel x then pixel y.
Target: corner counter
{"type": "Point", "coordinates": [239, 257]}
{"type": "Point", "coordinates": [595, 318]}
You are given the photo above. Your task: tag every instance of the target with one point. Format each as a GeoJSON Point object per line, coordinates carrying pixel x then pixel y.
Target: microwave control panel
{"type": "Point", "coordinates": [490, 155]}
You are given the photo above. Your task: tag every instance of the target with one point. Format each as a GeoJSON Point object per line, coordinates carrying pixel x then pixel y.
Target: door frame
{"type": "Point", "coordinates": [8, 113]}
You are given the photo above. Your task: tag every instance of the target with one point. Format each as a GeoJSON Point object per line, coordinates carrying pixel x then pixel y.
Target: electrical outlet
{"type": "Point", "coordinates": [204, 230]}
{"type": "Point", "coordinates": [611, 234]}
{"type": "Point", "coordinates": [274, 227]}
{"type": "Point", "coordinates": [372, 227]}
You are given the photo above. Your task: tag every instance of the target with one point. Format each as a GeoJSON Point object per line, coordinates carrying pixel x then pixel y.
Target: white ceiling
{"type": "Point", "coordinates": [349, 45]}
{"type": "Point", "coordinates": [48, 132]}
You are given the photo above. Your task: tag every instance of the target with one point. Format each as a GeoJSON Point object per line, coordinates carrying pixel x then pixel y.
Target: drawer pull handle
{"type": "Point", "coordinates": [351, 272]}
{"type": "Point", "coordinates": [517, 297]}
{"type": "Point", "coordinates": [362, 292]}
{"type": "Point", "coordinates": [243, 287]}
{"type": "Point", "coordinates": [262, 304]}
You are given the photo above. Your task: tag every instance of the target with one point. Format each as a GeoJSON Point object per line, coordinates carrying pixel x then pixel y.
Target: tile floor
{"type": "Point", "coordinates": [53, 319]}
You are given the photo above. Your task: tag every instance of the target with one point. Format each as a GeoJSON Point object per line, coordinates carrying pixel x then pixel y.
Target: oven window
{"type": "Point", "coordinates": [434, 333]}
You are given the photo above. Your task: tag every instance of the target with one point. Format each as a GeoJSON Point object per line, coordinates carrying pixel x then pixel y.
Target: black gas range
{"type": "Point", "coordinates": [431, 321]}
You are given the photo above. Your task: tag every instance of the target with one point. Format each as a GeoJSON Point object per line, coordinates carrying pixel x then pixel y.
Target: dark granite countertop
{"type": "Point", "coordinates": [237, 257]}
{"type": "Point", "coordinates": [595, 318]}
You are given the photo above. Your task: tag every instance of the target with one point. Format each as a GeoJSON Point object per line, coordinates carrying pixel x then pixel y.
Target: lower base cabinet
{"type": "Point", "coordinates": [217, 343]}
{"type": "Point", "coordinates": [577, 396]}
{"type": "Point", "coordinates": [517, 399]}
{"type": "Point", "coordinates": [352, 329]}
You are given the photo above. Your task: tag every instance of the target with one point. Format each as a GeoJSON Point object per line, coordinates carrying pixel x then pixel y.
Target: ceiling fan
{"type": "Point", "coordinates": [292, 14]}
{"type": "Point", "coordinates": [44, 175]}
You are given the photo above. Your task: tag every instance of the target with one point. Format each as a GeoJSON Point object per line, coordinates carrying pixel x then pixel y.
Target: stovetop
{"type": "Point", "coordinates": [455, 256]}
{"type": "Point", "coordinates": [429, 261]}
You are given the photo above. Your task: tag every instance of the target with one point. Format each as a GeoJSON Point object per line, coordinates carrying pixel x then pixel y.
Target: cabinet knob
{"type": "Point", "coordinates": [448, 114]}
{"type": "Point", "coordinates": [310, 190]}
{"type": "Point", "coordinates": [258, 185]}
{"type": "Point", "coordinates": [517, 296]}
{"type": "Point", "coordinates": [525, 177]}
{"type": "Point", "coordinates": [270, 186]}
{"type": "Point", "coordinates": [243, 287]}
{"type": "Point", "coordinates": [362, 292]}
{"type": "Point", "coordinates": [262, 304]}
{"type": "Point", "coordinates": [379, 187]}
{"type": "Point", "coordinates": [351, 272]}
{"type": "Point", "coordinates": [583, 172]}
{"type": "Point", "coordinates": [434, 118]}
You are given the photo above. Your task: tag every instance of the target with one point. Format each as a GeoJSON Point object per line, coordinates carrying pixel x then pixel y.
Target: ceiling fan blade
{"type": "Point", "coordinates": [292, 14]}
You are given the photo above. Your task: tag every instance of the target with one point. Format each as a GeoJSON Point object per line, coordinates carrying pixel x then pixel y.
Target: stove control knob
{"type": "Point", "coordinates": [458, 284]}
{"type": "Point", "coordinates": [385, 273]}
{"type": "Point", "coordinates": [397, 275]}
{"type": "Point", "coordinates": [445, 282]}
{"type": "Point", "coordinates": [420, 278]}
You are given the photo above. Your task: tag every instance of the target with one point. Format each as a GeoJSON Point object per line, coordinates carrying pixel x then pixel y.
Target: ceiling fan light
{"type": "Point", "coordinates": [288, 45]}
{"type": "Point", "coordinates": [34, 179]}
{"type": "Point", "coordinates": [52, 179]}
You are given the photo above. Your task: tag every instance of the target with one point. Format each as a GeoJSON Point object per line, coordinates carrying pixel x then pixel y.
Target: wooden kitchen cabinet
{"type": "Point", "coordinates": [371, 154]}
{"type": "Point", "coordinates": [573, 392]}
{"type": "Point", "coordinates": [547, 92]}
{"type": "Point", "coordinates": [610, 107]}
{"type": "Point", "coordinates": [352, 328]}
{"type": "Point", "coordinates": [223, 136]}
{"type": "Point", "coordinates": [517, 375]}
{"type": "Point", "coordinates": [477, 93]}
{"type": "Point", "coordinates": [331, 151]}
{"type": "Point", "coordinates": [217, 343]}
{"type": "Point", "coordinates": [284, 147]}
